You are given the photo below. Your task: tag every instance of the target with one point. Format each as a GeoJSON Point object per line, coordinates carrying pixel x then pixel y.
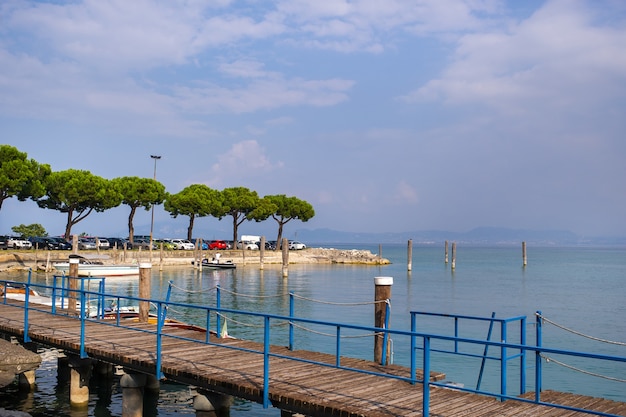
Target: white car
{"type": "Point", "coordinates": [183, 244]}
{"type": "Point", "coordinates": [247, 245]}
{"type": "Point", "coordinates": [295, 245]}
{"type": "Point", "coordinates": [17, 243]}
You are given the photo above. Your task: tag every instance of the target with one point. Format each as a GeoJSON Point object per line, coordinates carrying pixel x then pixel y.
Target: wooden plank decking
{"type": "Point", "coordinates": [295, 386]}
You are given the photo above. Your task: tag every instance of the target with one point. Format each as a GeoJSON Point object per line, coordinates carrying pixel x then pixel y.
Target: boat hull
{"type": "Point", "coordinates": [99, 270]}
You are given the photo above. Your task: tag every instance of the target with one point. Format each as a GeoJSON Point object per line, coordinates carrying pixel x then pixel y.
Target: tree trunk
{"type": "Point", "coordinates": [131, 229]}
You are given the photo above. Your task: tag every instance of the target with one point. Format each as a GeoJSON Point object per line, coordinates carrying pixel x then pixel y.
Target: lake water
{"type": "Point", "coordinates": [579, 288]}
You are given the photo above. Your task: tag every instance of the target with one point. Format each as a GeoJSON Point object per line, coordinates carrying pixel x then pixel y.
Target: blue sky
{"type": "Point", "coordinates": [392, 115]}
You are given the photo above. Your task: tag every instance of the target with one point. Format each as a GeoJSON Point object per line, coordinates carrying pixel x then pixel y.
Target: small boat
{"type": "Point", "coordinates": [215, 263]}
{"type": "Point", "coordinates": [92, 266]}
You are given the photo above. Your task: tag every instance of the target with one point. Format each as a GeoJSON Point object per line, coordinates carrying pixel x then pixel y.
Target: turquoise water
{"type": "Point", "coordinates": [579, 288]}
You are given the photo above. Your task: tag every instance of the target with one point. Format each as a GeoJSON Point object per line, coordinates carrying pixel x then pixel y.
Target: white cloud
{"type": "Point", "coordinates": [243, 159]}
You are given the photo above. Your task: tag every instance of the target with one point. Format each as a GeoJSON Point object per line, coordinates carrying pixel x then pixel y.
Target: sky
{"type": "Point", "coordinates": [386, 116]}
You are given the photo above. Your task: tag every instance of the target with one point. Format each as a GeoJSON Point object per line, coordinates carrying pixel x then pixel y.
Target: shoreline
{"type": "Point", "coordinates": [42, 260]}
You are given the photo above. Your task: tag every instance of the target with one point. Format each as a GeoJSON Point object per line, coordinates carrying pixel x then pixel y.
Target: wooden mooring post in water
{"type": "Point", "coordinates": [524, 258]}
{"type": "Point", "coordinates": [382, 294]}
{"type": "Point", "coordinates": [409, 255]}
{"type": "Point", "coordinates": [453, 264]}
{"type": "Point", "coordinates": [285, 248]}
{"type": "Point", "coordinates": [446, 252]}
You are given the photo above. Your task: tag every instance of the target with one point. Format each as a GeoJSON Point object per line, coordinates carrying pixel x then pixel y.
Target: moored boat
{"type": "Point", "coordinates": [94, 267]}
{"type": "Point", "coordinates": [215, 263]}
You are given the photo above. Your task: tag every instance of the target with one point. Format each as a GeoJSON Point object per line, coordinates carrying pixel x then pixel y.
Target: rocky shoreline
{"type": "Point", "coordinates": [15, 260]}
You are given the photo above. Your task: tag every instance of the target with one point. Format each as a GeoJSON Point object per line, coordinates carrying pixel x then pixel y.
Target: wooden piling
{"type": "Point", "coordinates": [145, 278]}
{"type": "Point", "coordinates": [261, 252]}
{"type": "Point", "coordinates": [446, 251]}
{"type": "Point", "coordinates": [285, 248]}
{"type": "Point", "coordinates": [524, 258]}
{"type": "Point", "coordinates": [73, 284]}
{"type": "Point", "coordinates": [409, 255]}
{"type": "Point", "coordinates": [453, 265]}
{"type": "Point", "coordinates": [382, 292]}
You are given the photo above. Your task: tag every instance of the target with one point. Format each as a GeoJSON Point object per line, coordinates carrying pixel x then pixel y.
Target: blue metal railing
{"type": "Point", "coordinates": [503, 358]}
{"type": "Point", "coordinates": [267, 319]}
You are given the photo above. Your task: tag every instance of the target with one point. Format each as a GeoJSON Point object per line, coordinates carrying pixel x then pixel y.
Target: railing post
{"type": "Point", "coordinates": [338, 348]}
{"type": "Point", "coordinates": [218, 302]}
{"type": "Point", "coordinates": [291, 315]}
{"type": "Point", "coordinates": [426, 378]}
{"type": "Point", "coordinates": [54, 294]}
{"type": "Point", "coordinates": [161, 312]}
{"type": "Point", "coordinates": [26, 294]}
{"type": "Point", "coordinates": [266, 363]}
{"type": "Point", "coordinates": [538, 357]}
{"type": "Point", "coordinates": [413, 348]}
{"type": "Point", "coordinates": [83, 307]}
{"type": "Point", "coordinates": [522, 364]}
{"type": "Point", "coordinates": [503, 361]}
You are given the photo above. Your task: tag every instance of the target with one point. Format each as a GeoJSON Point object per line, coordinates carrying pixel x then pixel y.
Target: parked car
{"type": "Point", "coordinates": [203, 244]}
{"type": "Point", "coordinates": [40, 242]}
{"type": "Point", "coordinates": [167, 244]}
{"type": "Point", "coordinates": [103, 243]}
{"type": "Point", "coordinates": [143, 244]}
{"type": "Point", "coordinates": [218, 245]}
{"type": "Point", "coordinates": [18, 243]}
{"type": "Point", "coordinates": [86, 243]}
{"type": "Point", "coordinates": [183, 244]}
{"type": "Point", "coordinates": [120, 242]}
{"type": "Point", "coordinates": [3, 242]}
{"type": "Point", "coordinates": [295, 245]}
{"type": "Point", "coordinates": [247, 245]}
{"type": "Point", "coordinates": [60, 243]}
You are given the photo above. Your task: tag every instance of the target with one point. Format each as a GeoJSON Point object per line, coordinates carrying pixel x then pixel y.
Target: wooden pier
{"type": "Point", "coordinates": [295, 386]}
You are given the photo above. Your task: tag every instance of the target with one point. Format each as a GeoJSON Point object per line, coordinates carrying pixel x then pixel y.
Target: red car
{"type": "Point", "coordinates": [218, 244]}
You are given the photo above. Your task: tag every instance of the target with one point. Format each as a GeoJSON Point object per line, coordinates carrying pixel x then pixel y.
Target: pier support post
{"type": "Point", "coordinates": [80, 372]}
{"type": "Point", "coordinates": [285, 248]}
{"type": "Point", "coordinates": [446, 251]}
{"type": "Point", "coordinates": [145, 277]}
{"type": "Point", "coordinates": [382, 292]}
{"type": "Point", "coordinates": [132, 394]}
{"type": "Point", "coordinates": [524, 258]}
{"type": "Point", "coordinates": [206, 403]}
{"type": "Point", "coordinates": [26, 380]}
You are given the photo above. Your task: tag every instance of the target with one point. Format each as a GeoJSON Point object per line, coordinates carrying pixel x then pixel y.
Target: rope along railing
{"type": "Point", "coordinates": [549, 359]}
{"type": "Point", "coordinates": [597, 339]}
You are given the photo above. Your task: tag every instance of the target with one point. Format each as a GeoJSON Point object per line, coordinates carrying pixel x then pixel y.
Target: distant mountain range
{"type": "Point", "coordinates": [477, 236]}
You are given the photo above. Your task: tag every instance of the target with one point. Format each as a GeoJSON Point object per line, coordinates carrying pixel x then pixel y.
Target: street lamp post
{"type": "Point", "coordinates": [156, 158]}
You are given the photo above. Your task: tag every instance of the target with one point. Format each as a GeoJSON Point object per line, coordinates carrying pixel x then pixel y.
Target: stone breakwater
{"type": "Point", "coordinates": [42, 260]}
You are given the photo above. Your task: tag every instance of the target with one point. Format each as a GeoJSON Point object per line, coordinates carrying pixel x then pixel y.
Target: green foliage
{"type": "Point", "coordinates": [238, 202]}
{"type": "Point", "coordinates": [31, 230]}
{"type": "Point", "coordinates": [139, 192]}
{"type": "Point", "coordinates": [20, 177]}
{"type": "Point", "coordinates": [285, 210]}
{"type": "Point", "coordinates": [197, 200]}
{"type": "Point", "coordinates": [78, 193]}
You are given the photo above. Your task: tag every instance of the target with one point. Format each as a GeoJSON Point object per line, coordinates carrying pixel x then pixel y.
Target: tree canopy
{"type": "Point", "coordinates": [78, 193]}
{"type": "Point", "coordinates": [286, 209]}
{"type": "Point", "coordinates": [196, 200]}
{"type": "Point", "coordinates": [238, 202]}
{"type": "Point", "coordinates": [19, 176]}
{"type": "Point", "coordinates": [139, 192]}
{"type": "Point", "coordinates": [26, 231]}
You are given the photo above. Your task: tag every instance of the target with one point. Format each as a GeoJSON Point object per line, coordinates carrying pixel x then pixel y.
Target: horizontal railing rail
{"type": "Point", "coordinates": [208, 312]}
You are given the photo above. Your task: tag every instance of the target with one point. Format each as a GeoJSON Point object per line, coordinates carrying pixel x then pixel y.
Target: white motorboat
{"type": "Point", "coordinates": [90, 266]}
